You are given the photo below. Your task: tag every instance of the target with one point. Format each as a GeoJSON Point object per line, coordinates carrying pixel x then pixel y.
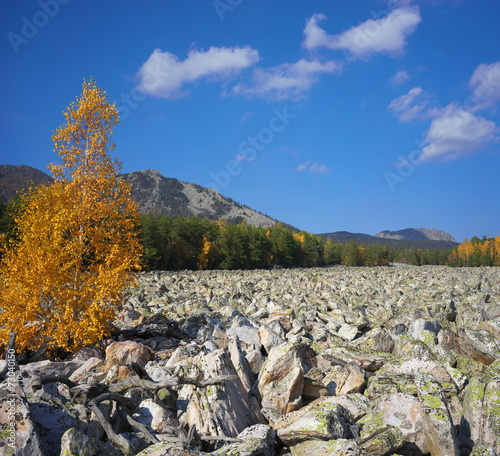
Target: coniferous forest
{"type": "Point", "coordinates": [194, 243]}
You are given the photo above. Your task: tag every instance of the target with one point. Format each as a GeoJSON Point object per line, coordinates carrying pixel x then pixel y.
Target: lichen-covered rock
{"type": "Point", "coordinates": [281, 379]}
{"type": "Point", "coordinates": [483, 449]}
{"type": "Point", "coordinates": [223, 409]}
{"type": "Point", "coordinates": [346, 379]}
{"type": "Point", "coordinates": [482, 411]}
{"type": "Point", "coordinates": [317, 421]}
{"type": "Point", "coordinates": [437, 422]}
{"type": "Point", "coordinates": [377, 339]}
{"type": "Point", "coordinates": [338, 447]}
{"type": "Point", "coordinates": [377, 437]}
{"type": "Point", "coordinates": [257, 440]}
{"type": "Point", "coordinates": [77, 443]}
{"type": "Point", "coordinates": [480, 345]}
{"type": "Point", "coordinates": [170, 449]}
{"type": "Point", "coordinates": [17, 429]}
{"type": "Point", "coordinates": [406, 413]}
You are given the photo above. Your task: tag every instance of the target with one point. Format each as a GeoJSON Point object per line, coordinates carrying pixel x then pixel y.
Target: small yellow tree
{"type": "Point", "coordinates": [63, 278]}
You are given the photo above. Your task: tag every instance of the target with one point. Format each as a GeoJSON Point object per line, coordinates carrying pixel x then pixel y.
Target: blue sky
{"type": "Point", "coordinates": [331, 115]}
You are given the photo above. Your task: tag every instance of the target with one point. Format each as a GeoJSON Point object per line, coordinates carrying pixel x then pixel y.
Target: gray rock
{"type": "Point", "coordinates": [257, 440]}
{"type": "Point", "coordinates": [76, 443]}
{"type": "Point", "coordinates": [338, 447]}
{"type": "Point", "coordinates": [437, 422]}
{"type": "Point", "coordinates": [224, 409]}
{"type": "Point", "coordinates": [281, 379]}
{"type": "Point", "coordinates": [317, 421]}
{"type": "Point", "coordinates": [481, 411]}
{"type": "Point", "coordinates": [19, 435]}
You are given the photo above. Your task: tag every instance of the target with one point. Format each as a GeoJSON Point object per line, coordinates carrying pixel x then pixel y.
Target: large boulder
{"type": "Point", "coordinates": [317, 421]}
{"type": "Point", "coordinates": [19, 435]}
{"type": "Point", "coordinates": [281, 379]}
{"type": "Point", "coordinates": [223, 409]}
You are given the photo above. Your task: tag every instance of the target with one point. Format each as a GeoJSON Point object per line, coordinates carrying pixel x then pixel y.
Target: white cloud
{"type": "Point", "coordinates": [286, 81]}
{"type": "Point", "coordinates": [375, 36]}
{"type": "Point", "coordinates": [455, 133]}
{"type": "Point", "coordinates": [303, 166]}
{"type": "Point", "coordinates": [400, 77]}
{"type": "Point", "coordinates": [485, 86]}
{"type": "Point", "coordinates": [411, 106]}
{"type": "Point", "coordinates": [315, 168]}
{"type": "Point", "coordinates": [164, 75]}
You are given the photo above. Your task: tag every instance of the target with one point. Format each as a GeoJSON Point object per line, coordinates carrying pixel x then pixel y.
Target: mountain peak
{"type": "Point", "coordinates": [410, 234]}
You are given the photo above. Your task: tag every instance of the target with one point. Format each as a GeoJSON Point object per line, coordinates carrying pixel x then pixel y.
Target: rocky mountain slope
{"type": "Point", "coordinates": [16, 178]}
{"type": "Point", "coordinates": [331, 361]}
{"type": "Point", "coordinates": [157, 193]}
{"type": "Point", "coordinates": [413, 234]}
{"type": "Point", "coordinates": [154, 193]}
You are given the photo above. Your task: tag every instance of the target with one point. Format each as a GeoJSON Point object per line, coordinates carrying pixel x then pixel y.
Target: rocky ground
{"type": "Point", "coordinates": [333, 361]}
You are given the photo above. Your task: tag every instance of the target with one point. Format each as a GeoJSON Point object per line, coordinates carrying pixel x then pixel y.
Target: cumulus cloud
{"type": "Point", "coordinates": [164, 75]}
{"type": "Point", "coordinates": [286, 81]}
{"type": "Point", "coordinates": [386, 35]}
{"type": "Point", "coordinates": [400, 77]}
{"type": "Point", "coordinates": [315, 168]}
{"type": "Point", "coordinates": [485, 86]}
{"type": "Point", "coordinates": [411, 106]}
{"type": "Point", "coordinates": [455, 133]}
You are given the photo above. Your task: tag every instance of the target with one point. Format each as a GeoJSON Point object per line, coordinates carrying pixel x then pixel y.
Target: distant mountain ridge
{"type": "Point", "coordinates": [154, 193]}
{"type": "Point", "coordinates": [14, 178]}
{"type": "Point", "coordinates": [413, 234]}
{"type": "Point", "coordinates": [399, 242]}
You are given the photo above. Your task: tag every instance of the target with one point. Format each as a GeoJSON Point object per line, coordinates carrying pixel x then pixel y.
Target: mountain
{"type": "Point", "coordinates": [154, 193]}
{"type": "Point", "coordinates": [344, 237]}
{"type": "Point", "coordinates": [413, 234]}
{"type": "Point", "coordinates": [165, 195]}
{"type": "Point", "coordinates": [17, 178]}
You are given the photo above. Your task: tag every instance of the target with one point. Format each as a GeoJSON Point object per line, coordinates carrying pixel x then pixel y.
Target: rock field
{"type": "Point", "coordinates": [302, 362]}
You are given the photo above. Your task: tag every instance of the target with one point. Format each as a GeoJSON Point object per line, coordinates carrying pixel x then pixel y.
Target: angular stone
{"type": "Point", "coordinates": [270, 338]}
{"type": "Point", "coordinates": [345, 379]}
{"type": "Point", "coordinates": [320, 421]}
{"type": "Point", "coordinates": [77, 443]}
{"type": "Point", "coordinates": [153, 416]}
{"type": "Point", "coordinates": [386, 441]}
{"type": "Point", "coordinates": [406, 413]}
{"type": "Point", "coordinates": [482, 410]}
{"type": "Point", "coordinates": [170, 449]}
{"type": "Point", "coordinates": [246, 331]}
{"type": "Point", "coordinates": [479, 345]}
{"type": "Point", "coordinates": [257, 440]}
{"type": "Point", "coordinates": [483, 449]}
{"type": "Point", "coordinates": [438, 423]}
{"type": "Point", "coordinates": [348, 332]}
{"type": "Point", "coordinates": [377, 339]}
{"type": "Point", "coordinates": [19, 434]}
{"type": "Point", "coordinates": [424, 329]}
{"type": "Point", "coordinates": [126, 353]}
{"type": "Point", "coordinates": [339, 447]}
{"type": "Point", "coordinates": [223, 409]}
{"type": "Point", "coordinates": [241, 364]}
{"type": "Point", "coordinates": [281, 379]}
{"type": "Point", "coordinates": [87, 368]}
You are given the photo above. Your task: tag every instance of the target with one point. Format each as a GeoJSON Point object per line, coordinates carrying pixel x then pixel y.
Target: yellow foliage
{"type": "Point", "coordinates": [62, 280]}
{"type": "Point", "coordinates": [205, 252]}
{"type": "Point", "coordinates": [299, 237]}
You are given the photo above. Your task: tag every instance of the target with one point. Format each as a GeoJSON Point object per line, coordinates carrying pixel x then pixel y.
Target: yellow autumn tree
{"type": "Point", "coordinates": [63, 278]}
